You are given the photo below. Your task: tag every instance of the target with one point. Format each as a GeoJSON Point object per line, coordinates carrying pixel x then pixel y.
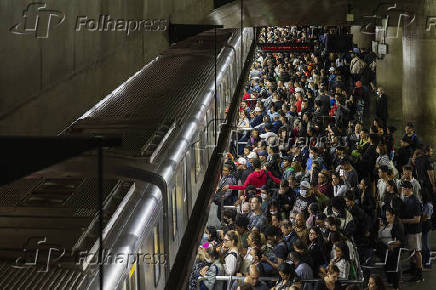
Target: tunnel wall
{"type": "Point", "coordinates": [419, 71]}
{"type": "Point", "coordinates": [390, 73]}
{"type": "Point", "coordinates": [46, 83]}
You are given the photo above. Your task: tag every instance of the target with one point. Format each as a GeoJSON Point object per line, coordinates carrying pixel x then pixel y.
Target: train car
{"type": "Point", "coordinates": [168, 117]}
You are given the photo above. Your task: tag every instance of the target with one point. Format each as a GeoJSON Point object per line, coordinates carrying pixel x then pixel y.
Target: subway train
{"type": "Point", "coordinates": [167, 116]}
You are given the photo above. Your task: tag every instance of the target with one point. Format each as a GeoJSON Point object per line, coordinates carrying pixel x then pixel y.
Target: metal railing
{"type": "Point", "coordinates": [231, 279]}
{"type": "Point", "coordinates": [381, 265]}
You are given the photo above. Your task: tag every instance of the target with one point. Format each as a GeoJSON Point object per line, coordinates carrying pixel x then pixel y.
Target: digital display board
{"type": "Point", "coordinates": [286, 47]}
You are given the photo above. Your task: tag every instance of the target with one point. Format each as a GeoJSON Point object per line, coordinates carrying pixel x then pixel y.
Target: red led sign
{"type": "Point", "coordinates": [286, 47]}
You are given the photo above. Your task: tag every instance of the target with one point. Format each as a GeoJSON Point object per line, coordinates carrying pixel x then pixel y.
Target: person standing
{"type": "Point", "coordinates": [411, 218]}
{"type": "Point", "coordinates": [382, 107]}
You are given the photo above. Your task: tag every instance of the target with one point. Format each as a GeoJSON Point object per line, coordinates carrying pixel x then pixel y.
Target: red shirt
{"type": "Point", "coordinates": [298, 105]}
{"type": "Point", "coordinates": [333, 110]}
{"type": "Point", "coordinates": [256, 178]}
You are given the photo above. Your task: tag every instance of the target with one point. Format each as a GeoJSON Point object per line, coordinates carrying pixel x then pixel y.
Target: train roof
{"type": "Point", "coordinates": [154, 103]}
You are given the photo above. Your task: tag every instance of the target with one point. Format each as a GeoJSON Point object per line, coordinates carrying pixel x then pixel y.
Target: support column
{"type": "Point", "coordinates": [363, 40]}
{"type": "Point", "coordinates": [390, 73]}
{"type": "Point", "coordinates": [419, 71]}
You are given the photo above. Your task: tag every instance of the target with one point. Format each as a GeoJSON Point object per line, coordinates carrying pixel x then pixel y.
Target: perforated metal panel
{"type": "Point", "coordinates": [12, 194]}
{"type": "Point", "coordinates": [30, 278]}
{"type": "Point", "coordinates": [160, 94]}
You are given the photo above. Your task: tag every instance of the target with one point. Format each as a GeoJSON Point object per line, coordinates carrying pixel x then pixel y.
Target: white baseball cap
{"type": "Point", "coordinates": [252, 155]}
{"type": "Point", "coordinates": [241, 161]}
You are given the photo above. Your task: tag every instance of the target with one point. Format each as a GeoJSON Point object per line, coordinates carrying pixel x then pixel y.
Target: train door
{"type": "Point", "coordinates": [148, 268]}
{"type": "Point", "coordinates": [188, 186]}
{"type": "Point", "coordinates": [191, 176]}
{"type": "Point", "coordinates": [181, 200]}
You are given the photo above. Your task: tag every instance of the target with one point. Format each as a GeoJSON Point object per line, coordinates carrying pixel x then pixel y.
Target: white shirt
{"type": "Point", "coordinates": [381, 188]}
{"type": "Point", "coordinates": [231, 264]}
{"type": "Point", "coordinates": [340, 190]}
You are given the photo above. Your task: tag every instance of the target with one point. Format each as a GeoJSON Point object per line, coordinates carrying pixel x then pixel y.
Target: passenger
{"type": "Point", "coordinates": [411, 218]}
{"type": "Point", "coordinates": [317, 249]}
{"type": "Point", "coordinates": [304, 198]}
{"type": "Point", "coordinates": [223, 195]}
{"type": "Point", "coordinates": [241, 226]}
{"type": "Point", "coordinates": [256, 216]}
{"type": "Point", "coordinates": [277, 250]}
{"type": "Point", "coordinates": [253, 279]}
{"type": "Point", "coordinates": [302, 270]}
{"type": "Point", "coordinates": [243, 121]}
{"type": "Point", "coordinates": [208, 273]}
{"type": "Point", "coordinates": [200, 263]}
{"type": "Point", "coordinates": [340, 260]}
{"type": "Point", "coordinates": [242, 170]}
{"type": "Point", "coordinates": [391, 236]}
{"type": "Point", "coordinates": [287, 276]}
{"type": "Point", "coordinates": [327, 168]}
{"type": "Point", "coordinates": [257, 178]}
{"type": "Point", "coordinates": [376, 283]}
{"type": "Point", "coordinates": [330, 280]}
{"type": "Point", "coordinates": [230, 253]}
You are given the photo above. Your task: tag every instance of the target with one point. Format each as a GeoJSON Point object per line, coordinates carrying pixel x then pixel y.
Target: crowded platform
{"type": "Point", "coordinates": [318, 190]}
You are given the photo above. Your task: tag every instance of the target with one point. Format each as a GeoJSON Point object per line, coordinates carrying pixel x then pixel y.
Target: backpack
{"type": "Point", "coordinates": [238, 259]}
{"type": "Point", "coordinates": [269, 181]}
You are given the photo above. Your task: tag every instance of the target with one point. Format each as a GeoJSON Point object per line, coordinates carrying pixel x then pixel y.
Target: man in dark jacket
{"type": "Point", "coordinates": [243, 172]}
{"type": "Point", "coordinates": [382, 107]}
{"type": "Point", "coordinates": [369, 157]}
{"type": "Point", "coordinates": [342, 113]}
{"type": "Point", "coordinates": [285, 198]}
{"type": "Point", "coordinates": [411, 218]}
{"type": "Point", "coordinates": [325, 102]}
{"type": "Point", "coordinates": [362, 225]}
{"type": "Point", "coordinates": [405, 152]}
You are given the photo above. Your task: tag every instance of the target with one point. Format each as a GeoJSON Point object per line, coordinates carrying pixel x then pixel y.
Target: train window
{"type": "Point", "coordinates": [223, 95]}
{"type": "Point", "coordinates": [181, 196]}
{"type": "Point", "coordinates": [203, 142]}
{"type": "Point", "coordinates": [133, 284]}
{"type": "Point", "coordinates": [193, 176]}
{"type": "Point", "coordinates": [229, 91]}
{"type": "Point", "coordinates": [156, 255]}
{"type": "Point", "coordinates": [197, 150]}
{"type": "Point", "coordinates": [174, 211]}
{"type": "Point", "coordinates": [210, 129]}
{"type": "Point", "coordinates": [188, 183]}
